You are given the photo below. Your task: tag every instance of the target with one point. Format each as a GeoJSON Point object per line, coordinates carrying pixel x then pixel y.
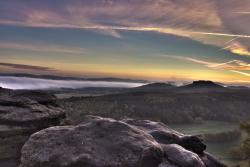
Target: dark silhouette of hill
{"type": "Point", "coordinates": [203, 84]}
{"type": "Point", "coordinates": [153, 87]}
{"type": "Point", "coordinates": [157, 85]}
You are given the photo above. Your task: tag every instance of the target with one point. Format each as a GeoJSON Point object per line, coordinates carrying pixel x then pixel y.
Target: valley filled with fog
{"type": "Point", "coordinates": [16, 83]}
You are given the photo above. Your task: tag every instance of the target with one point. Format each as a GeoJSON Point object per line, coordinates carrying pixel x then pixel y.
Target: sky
{"type": "Point", "coordinates": [163, 40]}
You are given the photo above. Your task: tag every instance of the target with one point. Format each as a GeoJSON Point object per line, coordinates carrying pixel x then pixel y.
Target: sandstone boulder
{"type": "Point", "coordinates": [100, 143]}
{"type": "Point", "coordinates": [104, 142]}
{"type": "Point", "coordinates": [165, 135]}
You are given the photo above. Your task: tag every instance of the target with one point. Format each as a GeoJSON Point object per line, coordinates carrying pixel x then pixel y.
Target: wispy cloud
{"type": "Point", "coordinates": [42, 47]}
{"type": "Point", "coordinates": [111, 30]}
{"type": "Point", "coordinates": [197, 20]}
{"type": "Point", "coordinates": [26, 67]}
{"type": "Point", "coordinates": [242, 73]}
{"type": "Point", "coordinates": [86, 13]}
{"type": "Point", "coordinates": [237, 48]}
{"type": "Point", "coordinates": [236, 66]}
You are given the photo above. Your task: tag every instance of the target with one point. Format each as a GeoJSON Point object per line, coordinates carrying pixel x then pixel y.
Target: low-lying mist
{"type": "Point", "coordinates": [34, 83]}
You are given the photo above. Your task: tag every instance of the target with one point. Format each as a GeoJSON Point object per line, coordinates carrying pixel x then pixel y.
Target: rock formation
{"type": "Point", "coordinates": [33, 117]}
{"type": "Point", "coordinates": [104, 142]}
{"type": "Point", "coordinates": [22, 114]}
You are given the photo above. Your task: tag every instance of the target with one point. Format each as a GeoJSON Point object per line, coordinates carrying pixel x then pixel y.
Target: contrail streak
{"type": "Point", "coordinates": [164, 30]}
{"type": "Point", "coordinates": [221, 34]}
{"type": "Point", "coordinates": [167, 30]}
{"type": "Point", "coordinates": [242, 73]}
{"type": "Point", "coordinates": [228, 42]}
{"type": "Point", "coordinates": [242, 12]}
{"type": "Point", "coordinates": [231, 40]}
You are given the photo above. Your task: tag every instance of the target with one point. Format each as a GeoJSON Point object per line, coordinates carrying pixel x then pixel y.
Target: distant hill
{"type": "Point", "coordinates": [238, 87]}
{"type": "Point", "coordinates": [203, 84]}
{"type": "Point", "coordinates": [54, 77]}
{"type": "Point", "coordinates": [156, 85]}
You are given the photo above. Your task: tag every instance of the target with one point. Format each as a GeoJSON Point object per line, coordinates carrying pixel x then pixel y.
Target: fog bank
{"type": "Point", "coordinates": [34, 83]}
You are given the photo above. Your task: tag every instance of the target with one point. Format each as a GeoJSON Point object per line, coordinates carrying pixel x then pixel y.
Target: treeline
{"type": "Point", "coordinates": [242, 152]}
{"type": "Point", "coordinates": [246, 143]}
{"type": "Point", "coordinates": [222, 136]}
{"type": "Point", "coordinates": [164, 107]}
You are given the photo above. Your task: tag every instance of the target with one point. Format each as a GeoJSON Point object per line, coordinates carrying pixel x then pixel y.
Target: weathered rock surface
{"type": "Point", "coordinates": [99, 143]}
{"type": "Point", "coordinates": [165, 135]}
{"type": "Point", "coordinates": [104, 142]}
{"type": "Point", "coordinates": [37, 110]}
{"type": "Point", "coordinates": [22, 114]}
{"type": "Point", "coordinates": [182, 157]}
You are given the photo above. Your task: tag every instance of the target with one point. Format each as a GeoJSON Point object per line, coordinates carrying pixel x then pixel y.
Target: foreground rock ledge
{"type": "Point", "coordinates": [23, 113]}
{"type": "Point", "coordinates": [103, 142]}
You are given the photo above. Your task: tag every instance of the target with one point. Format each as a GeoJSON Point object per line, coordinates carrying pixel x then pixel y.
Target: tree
{"type": "Point", "coordinates": [246, 143]}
